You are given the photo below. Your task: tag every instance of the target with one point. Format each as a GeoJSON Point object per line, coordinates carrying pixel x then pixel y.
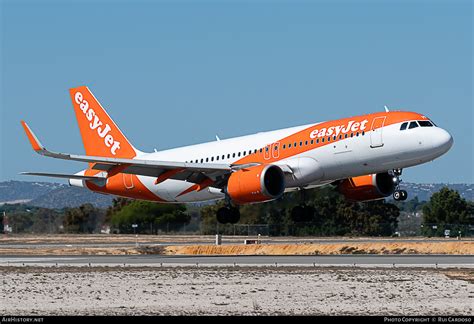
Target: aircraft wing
{"type": "Point", "coordinates": [64, 176]}
{"type": "Point", "coordinates": [162, 170]}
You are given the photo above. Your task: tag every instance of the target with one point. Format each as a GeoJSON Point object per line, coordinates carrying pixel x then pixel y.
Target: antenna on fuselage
{"type": "Point", "coordinates": [217, 138]}
{"type": "Point", "coordinates": [386, 109]}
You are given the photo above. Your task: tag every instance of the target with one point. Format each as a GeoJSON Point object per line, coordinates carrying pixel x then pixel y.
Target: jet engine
{"type": "Point", "coordinates": [368, 187]}
{"type": "Point", "coordinates": [256, 184]}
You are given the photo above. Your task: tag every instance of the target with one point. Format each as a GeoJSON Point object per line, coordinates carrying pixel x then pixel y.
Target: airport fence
{"type": "Point", "coordinates": [310, 229]}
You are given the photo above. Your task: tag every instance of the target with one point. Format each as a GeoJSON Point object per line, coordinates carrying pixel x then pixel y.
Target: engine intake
{"type": "Point", "coordinates": [256, 184]}
{"type": "Point", "coordinates": [368, 187]}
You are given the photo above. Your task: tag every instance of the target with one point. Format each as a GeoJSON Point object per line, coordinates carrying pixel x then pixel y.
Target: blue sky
{"type": "Point", "coordinates": [173, 73]}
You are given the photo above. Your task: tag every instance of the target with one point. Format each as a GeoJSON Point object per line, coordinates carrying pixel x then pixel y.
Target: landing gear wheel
{"type": "Point", "coordinates": [308, 213]}
{"type": "Point", "coordinates": [396, 195]}
{"type": "Point", "coordinates": [223, 215]}
{"type": "Point", "coordinates": [400, 195]}
{"type": "Point", "coordinates": [302, 213]}
{"type": "Point", "coordinates": [404, 195]}
{"type": "Point", "coordinates": [228, 215]}
{"type": "Point", "coordinates": [297, 213]}
{"type": "Point", "coordinates": [234, 215]}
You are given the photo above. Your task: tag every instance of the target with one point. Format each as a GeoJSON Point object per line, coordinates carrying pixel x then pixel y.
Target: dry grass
{"type": "Point", "coordinates": [459, 248]}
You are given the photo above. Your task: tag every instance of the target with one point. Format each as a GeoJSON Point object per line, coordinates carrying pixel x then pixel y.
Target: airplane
{"type": "Point", "coordinates": [362, 156]}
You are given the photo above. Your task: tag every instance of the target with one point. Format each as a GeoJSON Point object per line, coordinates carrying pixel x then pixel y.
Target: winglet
{"type": "Point", "coordinates": [35, 143]}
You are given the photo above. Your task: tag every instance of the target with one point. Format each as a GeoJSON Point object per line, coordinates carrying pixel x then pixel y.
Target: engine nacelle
{"type": "Point", "coordinates": [368, 187]}
{"type": "Point", "coordinates": [256, 184]}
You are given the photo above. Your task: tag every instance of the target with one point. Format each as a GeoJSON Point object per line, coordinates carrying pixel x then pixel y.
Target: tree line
{"type": "Point", "coordinates": [333, 216]}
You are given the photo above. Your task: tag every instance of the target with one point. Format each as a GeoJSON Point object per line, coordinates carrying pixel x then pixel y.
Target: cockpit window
{"type": "Point", "coordinates": [413, 124]}
{"type": "Point", "coordinates": [425, 123]}
{"type": "Point", "coordinates": [404, 126]}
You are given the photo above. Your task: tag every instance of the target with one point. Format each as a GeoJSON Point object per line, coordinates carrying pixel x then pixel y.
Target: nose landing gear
{"type": "Point", "coordinates": [398, 195]}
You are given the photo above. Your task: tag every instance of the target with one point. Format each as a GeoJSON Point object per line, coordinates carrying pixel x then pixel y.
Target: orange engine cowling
{"type": "Point", "coordinates": [256, 184]}
{"type": "Point", "coordinates": [368, 187]}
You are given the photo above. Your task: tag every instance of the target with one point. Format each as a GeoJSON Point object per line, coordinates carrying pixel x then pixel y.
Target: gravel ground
{"type": "Point", "coordinates": [232, 291]}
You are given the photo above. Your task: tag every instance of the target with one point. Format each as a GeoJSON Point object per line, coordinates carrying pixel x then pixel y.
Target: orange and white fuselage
{"type": "Point", "coordinates": [306, 156]}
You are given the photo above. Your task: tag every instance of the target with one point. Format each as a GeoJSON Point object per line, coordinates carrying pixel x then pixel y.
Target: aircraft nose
{"type": "Point", "coordinates": [443, 140]}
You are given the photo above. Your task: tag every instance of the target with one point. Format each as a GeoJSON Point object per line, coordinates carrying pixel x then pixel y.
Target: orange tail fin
{"type": "Point", "coordinates": [100, 135]}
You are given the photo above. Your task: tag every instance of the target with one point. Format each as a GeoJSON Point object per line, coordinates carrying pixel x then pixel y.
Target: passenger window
{"type": "Point", "coordinates": [357, 134]}
{"type": "Point", "coordinates": [266, 149]}
{"type": "Point", "coordinates": [322, 140]}
{"type": "Point", "coordinates": [345, 136]}
{"type": "Point", "coordinates": [255, 151]}
{"type": "Point", "coordinates": [276, 148]}
{"type": "Point", "coordinates": [238, 154]}
{"type": "Point", "coordinates": [261, 150]}
{"type": "Point", "coordinates": [217, 158]}
{"type": "Point", "coordinates": [363, 133]}
{"type": "Point", "coordinates": [306, 143]}
{"type": "Point", "coordinates": [329, 138]}
{"type": "Point", "coordinates": [244, 153]}
{"type": "Point", "coordinates": [334, 138]}
{"type": "Point", "coordinates": [404, 126]}
{"type": "Point", "coordinates": [202, 160]}
{"type": "Point", "coordinates": [296, 144]}
{"type": "Point", "coordinates": [233, 155]}
{"type": "Point", "coordinates": [413, 124]}
{"type": "Point", "coordinates": [312, 142]}
{"type": "Point", "coordinates": [425, 123]}
{"type": "Point", "coordinates": [250, 152]}
{"type": "Point", "coordinates": [223, 156]}
{"type": "Point", "coordinates": [207, 159]}
{"type": "Point", "coordinates": [352, 135]}
{"type": "Point", "coordinates": [212, 159]}
{"type": "Point", "coordinates": [317, 141]}
{"type": "Point", "coordinates": [284, 146]}
{"type": "Point", "coordinates": [289, 145]}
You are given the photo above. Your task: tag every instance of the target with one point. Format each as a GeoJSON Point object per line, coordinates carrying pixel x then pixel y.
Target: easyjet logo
{"type": "Point", "coordinates": [351, 126]}
{"type": "Point", "coordinates": [96, 124]}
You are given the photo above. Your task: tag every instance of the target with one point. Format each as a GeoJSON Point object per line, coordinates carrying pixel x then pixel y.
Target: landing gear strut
{"type": "Point", "coordinates": [228, 214]}
{"type": "Point", "coordinates": [398, 195]}
{"type": "Point", "coordinates": [302, 213]}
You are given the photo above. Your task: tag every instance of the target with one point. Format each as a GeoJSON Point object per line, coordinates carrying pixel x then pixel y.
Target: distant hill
{"type": "Point", "coordinates": [424, 191]}
{"type": "Point", "coordinates": [50, 195]}
{"type": "Point", "coordinates": [55, 195]}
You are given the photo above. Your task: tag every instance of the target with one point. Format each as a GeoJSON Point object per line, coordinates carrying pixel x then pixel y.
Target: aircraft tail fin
{"type": "Point", "coordinates": [100, 135]}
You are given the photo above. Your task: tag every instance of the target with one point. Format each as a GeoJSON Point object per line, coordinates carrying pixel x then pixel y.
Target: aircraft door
{"type": "Point", "coordinates": [376, 138]}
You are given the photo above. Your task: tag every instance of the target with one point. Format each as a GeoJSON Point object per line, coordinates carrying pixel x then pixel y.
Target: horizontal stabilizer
{"type": "Point", "coordinates": [65, 176]}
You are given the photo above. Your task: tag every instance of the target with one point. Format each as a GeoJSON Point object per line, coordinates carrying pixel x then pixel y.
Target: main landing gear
{"type": "Point", "coordinates": [228, 214]}
{"type": "Point", "coordinates": [302, 212]}
{"type": "Point", "coordinates": [399, 195]}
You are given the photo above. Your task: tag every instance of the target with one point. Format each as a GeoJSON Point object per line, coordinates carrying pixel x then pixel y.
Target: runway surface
{"type": "Point", "coordinates": [158, 260]}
